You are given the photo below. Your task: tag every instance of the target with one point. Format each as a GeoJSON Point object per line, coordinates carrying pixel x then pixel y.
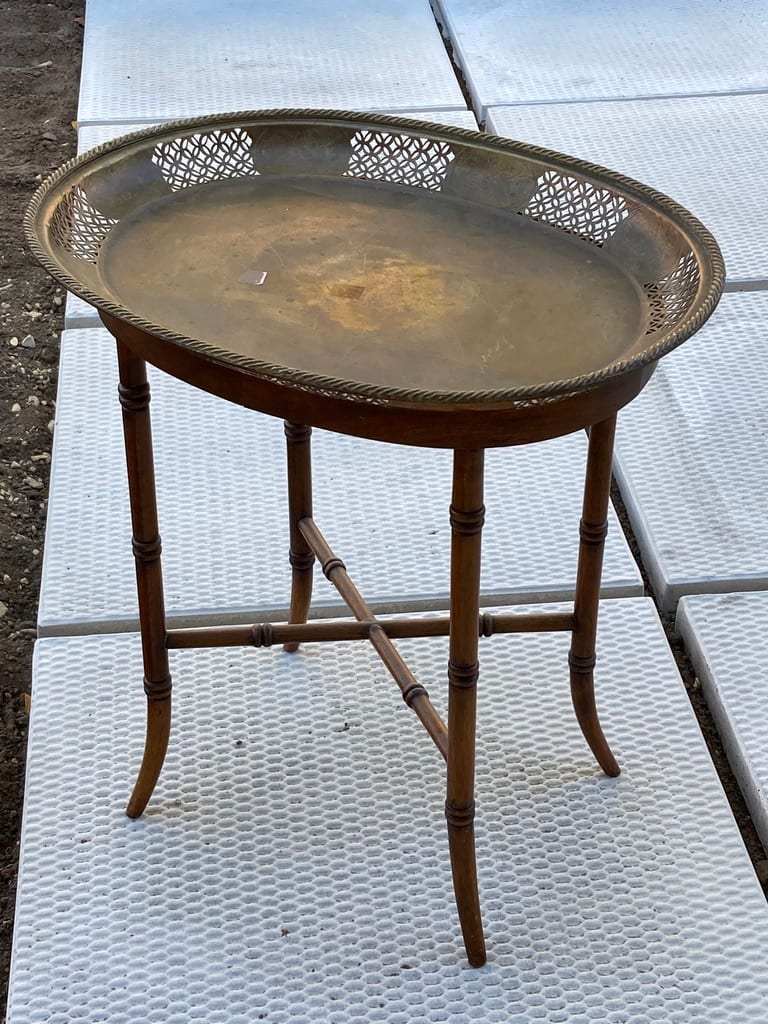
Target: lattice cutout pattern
{"type": "Point", "coordinates": [577, 206]}
{"type": "Point", "coordinates": [78, 227]}
{"type": "Point", "coordinates": [383, 156]}
{"type": "Point", "coordinates": [671, 296]}
{"type": "Point", "coordinates": [209, 156]}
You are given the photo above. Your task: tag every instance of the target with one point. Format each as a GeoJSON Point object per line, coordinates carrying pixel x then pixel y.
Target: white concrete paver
{"type": "Point", "coordinates": [149, 61]}
{"type": "Point", "coordinates": [293, 867]}
{"type": "Point", "coordinates": [691, 458]}
{"type": "Point", "coordinates": [534, 51]}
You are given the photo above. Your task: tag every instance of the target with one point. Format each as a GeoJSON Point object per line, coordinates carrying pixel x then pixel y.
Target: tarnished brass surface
{"type": "Point", "coordinates": [377, 257]}
{"type": "Point", "coordinates": [367, 281]}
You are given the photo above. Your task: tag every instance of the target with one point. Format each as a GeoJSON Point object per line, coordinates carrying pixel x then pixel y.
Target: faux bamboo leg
{"type": "Point", "coordinates": [467, 515]}
{"type": "Point", "coordinates": [301, 557]}
{"type": "Point", "coordinates": [593, 530]}
{"type": "Point", "coordinates": [134, 398]}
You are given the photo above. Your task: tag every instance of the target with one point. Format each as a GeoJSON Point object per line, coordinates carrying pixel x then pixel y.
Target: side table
{"type": "Point", "coordinates": [395, 281]}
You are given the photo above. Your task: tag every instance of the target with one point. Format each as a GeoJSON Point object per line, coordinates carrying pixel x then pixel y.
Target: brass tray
{"type": "Point", "coordinates": [378, 257]}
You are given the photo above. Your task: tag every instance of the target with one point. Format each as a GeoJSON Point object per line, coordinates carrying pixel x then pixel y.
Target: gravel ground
{"type": "Point", "coordinates": [39, 74]}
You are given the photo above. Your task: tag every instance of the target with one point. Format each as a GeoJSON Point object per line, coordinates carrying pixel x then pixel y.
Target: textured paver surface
{"type": "Point", "coordinates": [293, 864]}
{"type": "Point", "coordinates": [206, 56]}
{"type": "Point", "coordinates": [691, 458]}
{"type": "Point", "coordinates": [534, 51]}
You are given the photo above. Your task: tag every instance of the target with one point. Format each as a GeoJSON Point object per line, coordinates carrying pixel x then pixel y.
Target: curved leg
{"type": "Point", "coordinates": [592, 530]}
{"type": "Point", "coordinates": [134, 398]}
{"type": "Point", "coordinates": [155, 746]}
{"type": "Point", "coordinates": [467, 515]}
{"type": "Point", "coordinates": [301, 557]}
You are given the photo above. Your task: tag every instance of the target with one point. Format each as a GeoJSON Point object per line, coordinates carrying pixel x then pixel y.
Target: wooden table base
{"type": "Point", "coordinates": [465, 624]}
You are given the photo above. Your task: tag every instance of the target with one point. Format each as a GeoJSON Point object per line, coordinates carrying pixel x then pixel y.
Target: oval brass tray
{"type": "Point", "coordinates": [377, 257]}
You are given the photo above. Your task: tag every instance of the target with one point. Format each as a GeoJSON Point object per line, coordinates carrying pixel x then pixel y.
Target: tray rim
{"type": "Point", "coordinates": [703, 245]}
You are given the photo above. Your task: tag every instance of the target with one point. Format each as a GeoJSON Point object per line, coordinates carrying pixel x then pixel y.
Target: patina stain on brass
{"type": "Point", "coordinates": [362, 280]}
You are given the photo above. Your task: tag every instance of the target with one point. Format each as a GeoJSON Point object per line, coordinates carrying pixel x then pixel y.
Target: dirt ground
{"type": "Point", "coordinates": [39, 72]}
{"type": "Point", "coordinates": [40, 46]}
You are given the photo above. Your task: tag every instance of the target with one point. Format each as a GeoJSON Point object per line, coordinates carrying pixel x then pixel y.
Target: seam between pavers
{"type": "Point", "coordinates": [736, 752]}
{"type": "Point", "coordinates": [628, 590]}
